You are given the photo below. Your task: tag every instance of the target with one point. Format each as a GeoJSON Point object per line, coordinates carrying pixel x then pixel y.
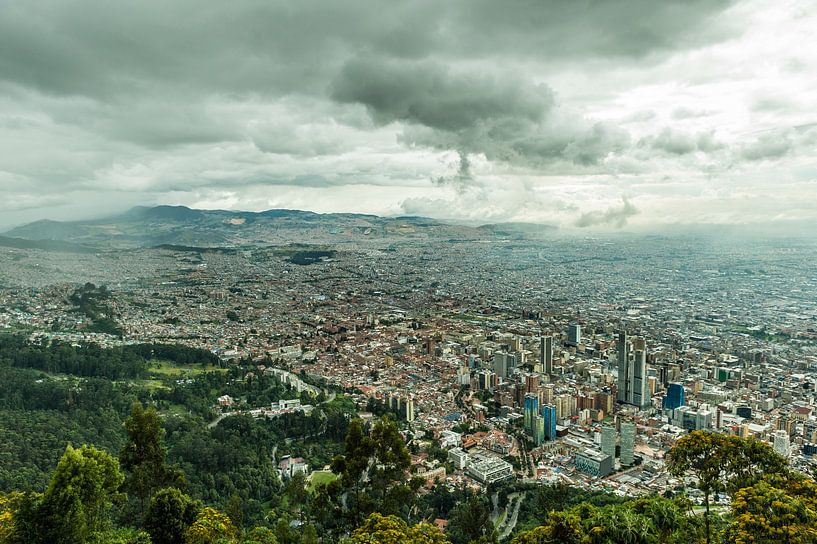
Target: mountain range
{"type": "Point", "coordinates": [179, 225]}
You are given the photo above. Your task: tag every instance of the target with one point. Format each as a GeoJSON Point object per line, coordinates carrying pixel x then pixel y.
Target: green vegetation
{"type": "Point", "coordinates": [90, 300]}
{"type": "Point", "coordinates": [321, 477]}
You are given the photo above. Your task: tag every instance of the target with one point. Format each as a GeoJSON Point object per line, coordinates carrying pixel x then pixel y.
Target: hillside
{"type": "Point", "coordinates": [182, 226]}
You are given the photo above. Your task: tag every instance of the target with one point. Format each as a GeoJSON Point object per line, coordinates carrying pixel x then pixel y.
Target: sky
{"type": "Point", "coordinates": [599, 115]}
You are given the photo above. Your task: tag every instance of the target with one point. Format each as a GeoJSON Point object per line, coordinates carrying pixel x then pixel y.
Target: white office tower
{"type": "Point", "coordinates": [633, 384]}
{"type": "Point", "coordinates": [640, 385]}
{"type": "Point", "coordinates": [781, 442]}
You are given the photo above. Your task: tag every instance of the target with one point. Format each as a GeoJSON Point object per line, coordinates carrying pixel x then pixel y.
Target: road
{"type": "Point", "coordinates": [216, 421]}
{"type": "Point", "coordinates": [507, 527]}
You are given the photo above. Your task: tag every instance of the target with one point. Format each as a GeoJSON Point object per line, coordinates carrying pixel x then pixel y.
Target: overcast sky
{"type": "Point", "coordinates": [585, 114]}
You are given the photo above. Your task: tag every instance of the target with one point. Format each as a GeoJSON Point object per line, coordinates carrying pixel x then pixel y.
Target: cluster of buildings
{"type": "Point", "coordinates": [582, 360]}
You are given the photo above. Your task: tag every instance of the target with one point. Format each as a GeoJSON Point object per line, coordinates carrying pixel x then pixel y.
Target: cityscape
{"type": "Point", "coordinates": [409, 272]}
{"type": "Point", "coordinates": [577, 361]}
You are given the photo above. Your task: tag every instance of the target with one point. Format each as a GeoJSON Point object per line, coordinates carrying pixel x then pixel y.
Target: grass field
{"type": "Point", "coordinates": [320, 477]}
{"type": "Point", "coordinates": [166, 369]}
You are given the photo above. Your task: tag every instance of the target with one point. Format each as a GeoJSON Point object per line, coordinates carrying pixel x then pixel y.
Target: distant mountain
{"type": "Point", "coordinates": [48, 245]}
{"type": "Point", "coordinates": [182, 226]}
{"type": "Point", "coordinates": [519, 230]}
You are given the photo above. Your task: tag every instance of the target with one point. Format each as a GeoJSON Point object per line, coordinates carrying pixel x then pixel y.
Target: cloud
{"type": "Point", "coordinates": [767, 146]}
{"type": "Point", "coordinates": [688, 113]}
{"type": "Point", "coordinates": [503, 116]}
{"type": "Point", "coordinates": [494, 108]}
{"type": "Point", "coordinates": [615, 216]}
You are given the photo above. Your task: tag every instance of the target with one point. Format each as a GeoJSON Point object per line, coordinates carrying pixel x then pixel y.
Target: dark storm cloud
{"type": "Point", "coordinates": [501, 115]}
{"type": "Point", "coordinates": [433, 95]}
{"type": "Point", "coordinates": [100, 48]}
{"type": "Point", "coordinates": [152, 67]}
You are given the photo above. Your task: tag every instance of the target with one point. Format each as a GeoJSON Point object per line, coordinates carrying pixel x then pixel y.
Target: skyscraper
{"type": "Point", "coordinates": [531, 410]}
{"type": "Point", "coordinates": [608, 440]}
{"type": "Point", "coordinates": [640, 389]}
{"type": "Point", "coordinates": [546, 354]}
{"type": "Point", "coordinates": [623, 351]}
{"type": "Point", "coordinates": [539, 430]}
{"type": "Point", "coordinates": [627, 442]}
{"type": "Point", "coordinates": [781, 442]}
{"type": "Point", "coordinates": [549, 415]}
{"type": "Point", "coordinates": [574, 334]}
{"type": "Point", "coordinates": [633, 385]}
{"type": "Point", "coordinates": [531, 383]}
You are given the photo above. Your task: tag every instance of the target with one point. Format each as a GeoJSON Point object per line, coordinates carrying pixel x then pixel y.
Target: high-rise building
{"type": "Point", "coordinates": [485, 380]}
{"type": "Point", "coordinates": [505, 363]}
{"type": "Point", "coordinates": [549, 416]}
{"type": "Point", "coordinates": [623, 393]}
{"type": "Point", "coordinates": [781, 442]}
{"type": "Point", "coordinates": [531, 383]}
{"type": "Point", "coordinates": [565, 405]}
{"type": "Point", "coordinates": [608, 440]}
{"type": "Point", "coordinates": [640, 388]}
{"type": "Point", "coordinates": [538, 429]}
{"type": "Point", "coordinates": [574, 334]}
{"type": "Point", "coordinates": [604, 401]}
{"type": "Point", "coordinates": [409, 409]}
{"type": "Point", "coordinates": [546, 354]}
{"type": "Point", "coordinates": [627, 443]}
{"type": "Point", "coordinates": [675, 397]}
{"type": "Point", "coordinates": [692, 419]}
{"type": "Point", "coordinates": [547, 393]}
{"type": "Point", "coordinates": [531, 409]}
{"type": "Point", "coordinates": [633, 385]}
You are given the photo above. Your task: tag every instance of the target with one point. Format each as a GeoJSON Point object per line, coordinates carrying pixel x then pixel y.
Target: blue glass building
{"type": "Point", "coordinates": [675, 397]}
{"type": "Point", "coordinates": [549, 415]}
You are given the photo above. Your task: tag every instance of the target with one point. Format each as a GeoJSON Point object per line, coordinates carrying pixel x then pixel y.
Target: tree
{"type": "Point", "coordinates": [392, 459]}
{"type": "Point", "coordinates": [143, 457]}
{"type": "Point", "coordinates": [379, 529]}
{"type": "Point", "coordinates": [9, 506]}
{"type": "Point", "coordinates": [235, 510]}
{"type": "Point", "coordinates": [722, 463]}
{"type": "Point", "coordinates": [122, 536]}
{"type": "Point", "coordinates": [77, 501]}
{"type": "Point", "coordinates": [618, 523]}
{"type": "Point", "coordinates": [295, 489]}
{"type": "Point", "coordinates": [169, 515]}
{"type": "Point", "coordinates": [764, 514]}
{"type": "Point", "coordinates": [353, 464]}
{"type": "Point", "coordinates": [471, 522]}
{"type": "Point", "coordinates": [260, 535]}
{"type": "Point", "coordinates": [309, 535]}
{"type": "Point", "coordinates": [283, 532]}
{"type": "Point", "coordinates": [666, 516]}
{"type": "Point", "coordinates": [211, 527]}
{"type": "Point", "coordinates": [561, 528]}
